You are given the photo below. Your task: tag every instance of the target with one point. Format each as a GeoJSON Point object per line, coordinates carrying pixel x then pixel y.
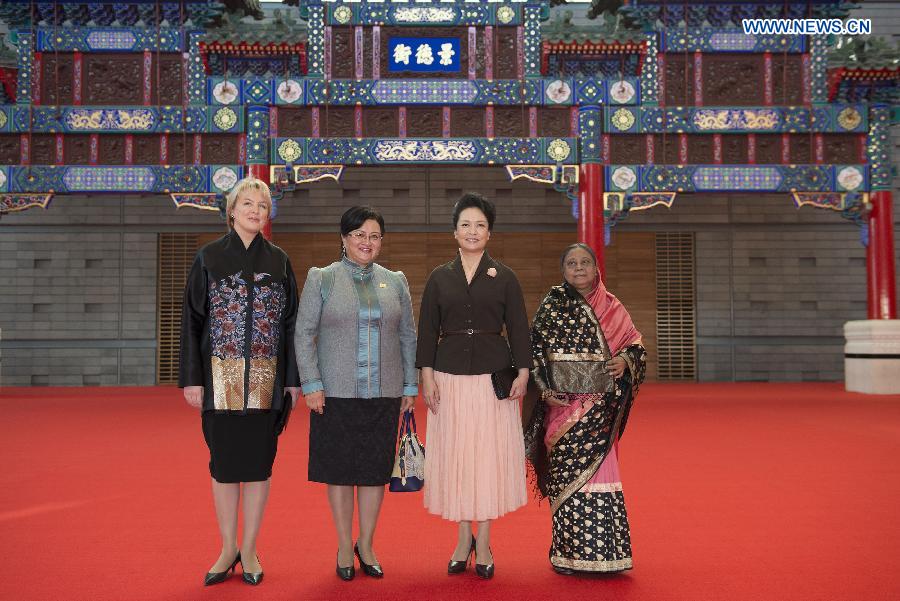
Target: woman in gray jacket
{"type": "Point", "coordinates": [355, 344]}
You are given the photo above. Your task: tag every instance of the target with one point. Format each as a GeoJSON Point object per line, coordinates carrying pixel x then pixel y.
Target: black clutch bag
{"type": "Point", "coordinates": [285, 415]}
{"type": "Point", "coordinates": [502, 381]}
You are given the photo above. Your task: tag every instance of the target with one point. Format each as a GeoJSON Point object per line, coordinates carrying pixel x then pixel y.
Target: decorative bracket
{"type": "Point", "coordinates": [567, 183]}
{"type": "Point", "coordinates": [856, 209]}
{"type": "Point", "coordinates": [201, 201]}
{"type": "Point", "coordinates": [563, 178]}
{"type": "Point", "coordinates": [285, 176]}
{"type": "Point", "coordinates": [13, 203]}
{"type": "Point", "coordinates": [853, 206]}
{"type": "Point", "coordinates": [617, 205]}
{"type": "Point", "coordinates": [640, 201]}
{"type": "Point", "coordinates": [821, 200]}
{"type": "Point", "coordinates": [567, 175]}
{"type": "Point", "coordinates": [544, 174]}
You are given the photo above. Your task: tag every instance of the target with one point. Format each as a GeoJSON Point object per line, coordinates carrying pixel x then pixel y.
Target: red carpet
{"type": "Point", "coordinates": [733, 491]}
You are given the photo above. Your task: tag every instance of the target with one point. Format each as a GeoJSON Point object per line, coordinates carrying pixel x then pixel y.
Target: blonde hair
{"type": "Point", "coordinates": [248, 183]}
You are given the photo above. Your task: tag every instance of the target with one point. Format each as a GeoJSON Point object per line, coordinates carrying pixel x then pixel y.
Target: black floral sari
{"type": "Point", "coordinates": [572, 448]}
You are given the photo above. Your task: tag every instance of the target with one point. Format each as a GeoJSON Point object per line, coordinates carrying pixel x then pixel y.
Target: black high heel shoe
{"type": "Point", "coordinates": [217, 577]}
{"type": "Point", "coordinates": [253, 578]}
{"type": "Point", "coordinates": [346, 574]}
{"type": "Point", "coordinates": [374, 570]}
{"type": "Point", "coordinates": [458, 567]}
{"type": "Point", "coordinates": [485, 571]}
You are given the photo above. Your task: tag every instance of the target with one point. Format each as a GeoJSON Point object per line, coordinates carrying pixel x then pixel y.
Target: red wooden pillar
{"type": "Point", "coordinates": [590, 213]}
{"type": "Point", "coordinates": [880, 265]}
{"type": "Point", "coordinates": [262, 172]}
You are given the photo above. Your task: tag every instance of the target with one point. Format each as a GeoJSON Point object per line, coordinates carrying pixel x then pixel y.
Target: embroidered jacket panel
{"type": "Point", "coordinates": [240, 304]}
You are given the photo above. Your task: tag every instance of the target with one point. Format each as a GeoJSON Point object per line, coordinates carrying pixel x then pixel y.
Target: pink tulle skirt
{"type": "Point", "coordinates": [475, 453]}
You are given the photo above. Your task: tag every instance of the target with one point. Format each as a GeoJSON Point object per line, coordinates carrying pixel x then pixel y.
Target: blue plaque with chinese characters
{"type": "Point", "coordinates": [424, 55]}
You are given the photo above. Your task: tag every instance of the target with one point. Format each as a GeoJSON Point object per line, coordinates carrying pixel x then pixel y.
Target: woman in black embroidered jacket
{"type": "Point", "coordinates": [588, 364]}
{"type": "Point", "coordinates": [237, 363]}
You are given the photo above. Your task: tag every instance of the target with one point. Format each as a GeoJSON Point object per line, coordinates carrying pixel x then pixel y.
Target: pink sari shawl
{"type": "Point", "coordinates": [613, 317]}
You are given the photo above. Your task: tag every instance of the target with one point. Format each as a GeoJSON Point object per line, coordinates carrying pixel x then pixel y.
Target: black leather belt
{"type": "Point", "coordinates": [469, 332]}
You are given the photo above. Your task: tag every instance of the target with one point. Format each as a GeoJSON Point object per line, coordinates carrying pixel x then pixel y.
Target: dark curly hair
{"type": "Point", "coordinates": [472, 200]}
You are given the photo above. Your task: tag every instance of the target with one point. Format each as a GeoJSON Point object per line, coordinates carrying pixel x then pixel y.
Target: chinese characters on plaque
{"type": "Point", "coordinates": [427, 55]}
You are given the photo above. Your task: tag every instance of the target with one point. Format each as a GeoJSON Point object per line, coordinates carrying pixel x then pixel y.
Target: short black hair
{"type": "Point", "coordinates": [472, 200]}
{"type": "Point", "coordinates": [571, 247]}
{"type": "Point", "coordinates": [354, 217]}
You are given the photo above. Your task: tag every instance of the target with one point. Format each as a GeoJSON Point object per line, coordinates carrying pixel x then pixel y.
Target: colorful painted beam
{"type": "Point", "coordinates": [824, 118]}
{"type": "Point", "coordinates": [535, 159]}
{"type": "Point", "coordinates": [853, 206]}
{"type": "Point", "coordinates": [109, 39]}
{"type": "Point", "coordinates": [428, 151]}
{"type": "Point", "coordinates": [145, 119]}
{"type": "Point", "coordinates": [300, 91]}
{"type": "Point", "coordinates": [748, 178]}
{"type": "Point", "coordinates": [728, 41]}
{"type": "Point", "coordinates": [215, 179]}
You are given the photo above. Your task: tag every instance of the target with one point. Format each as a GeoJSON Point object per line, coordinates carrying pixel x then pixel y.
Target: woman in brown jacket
{"type": "Point", "coordinates": [475, 465]}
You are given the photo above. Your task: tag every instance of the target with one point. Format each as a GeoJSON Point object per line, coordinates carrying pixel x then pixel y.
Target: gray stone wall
{"type": "Point", "coordinates": [774, 284]}
{"type": "Point", "coordinates": [77, 307]}
{"type": "Point", "coordinates": [771, 304]}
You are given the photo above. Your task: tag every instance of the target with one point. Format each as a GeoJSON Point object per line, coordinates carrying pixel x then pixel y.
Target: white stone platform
{"type": "Point", "coordinates": [872, 356]}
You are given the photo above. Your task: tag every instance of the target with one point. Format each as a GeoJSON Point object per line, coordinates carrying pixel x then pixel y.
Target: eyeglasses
{"type": "Point", "coordinates": [362, 236]}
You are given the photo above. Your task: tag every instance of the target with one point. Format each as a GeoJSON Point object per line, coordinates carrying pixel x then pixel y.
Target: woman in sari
{"type": "Point", "coordinates": [588, 364]}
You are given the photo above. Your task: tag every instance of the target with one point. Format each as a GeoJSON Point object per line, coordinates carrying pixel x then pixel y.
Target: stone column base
{"type": "Point", "coordinates": [872, 356]}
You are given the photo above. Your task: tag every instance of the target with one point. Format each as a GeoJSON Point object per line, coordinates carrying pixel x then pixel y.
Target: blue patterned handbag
{"type": "Point", "coordinates": [409, 466]}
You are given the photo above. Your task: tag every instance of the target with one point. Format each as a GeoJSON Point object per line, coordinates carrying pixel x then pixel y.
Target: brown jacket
{"type": "Point", "coordinates": [450, 304]}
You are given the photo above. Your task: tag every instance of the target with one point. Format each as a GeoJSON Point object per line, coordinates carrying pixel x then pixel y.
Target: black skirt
{"type": "Point", "coordinates": [241, 447]}
{"type": "Point", "coordinates": [353, 442]}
